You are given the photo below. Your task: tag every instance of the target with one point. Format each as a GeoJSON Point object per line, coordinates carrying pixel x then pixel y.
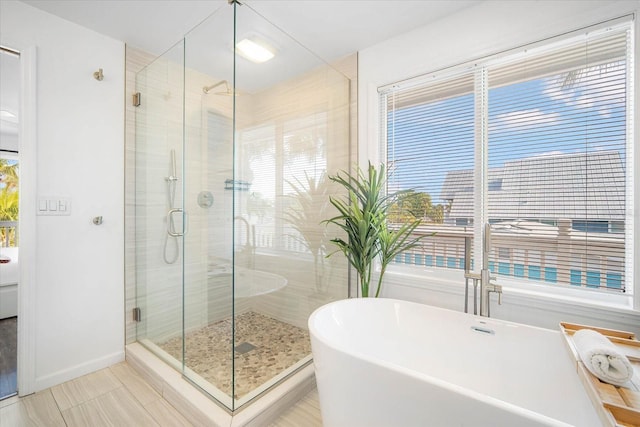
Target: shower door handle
{"type": "Point", "coordinates": [171, 231]}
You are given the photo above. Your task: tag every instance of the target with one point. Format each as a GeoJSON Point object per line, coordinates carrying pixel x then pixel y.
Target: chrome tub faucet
{"type": "Point", "coordinates": [484, 279]}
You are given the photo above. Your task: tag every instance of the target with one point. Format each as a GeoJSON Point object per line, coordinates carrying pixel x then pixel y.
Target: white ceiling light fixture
{"type": "Point", "coordinates": [255, 51]}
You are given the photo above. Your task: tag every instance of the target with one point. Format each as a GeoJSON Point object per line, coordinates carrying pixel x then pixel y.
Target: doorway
{"type": "Point", "coordinates": [9, 203]}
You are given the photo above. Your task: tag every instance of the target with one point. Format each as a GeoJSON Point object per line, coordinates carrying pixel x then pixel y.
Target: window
{"type": "Point", "coordinates": [258, 147]}
{"type": "Point", "coordinates": [288, 198]}
{"type": "Point", "coordinates": [535, 143]}
{"type": "Point", "coordinates": [425, 126]}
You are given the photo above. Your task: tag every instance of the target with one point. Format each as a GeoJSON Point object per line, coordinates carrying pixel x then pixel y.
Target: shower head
{"type": "Point", "coordinates": [227, 92]}
{"type": "Point", "coordinates": [207, 89]}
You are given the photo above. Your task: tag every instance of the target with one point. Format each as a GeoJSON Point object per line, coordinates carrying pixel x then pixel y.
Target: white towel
{"type": "Point", "coordinates": [602, 358]}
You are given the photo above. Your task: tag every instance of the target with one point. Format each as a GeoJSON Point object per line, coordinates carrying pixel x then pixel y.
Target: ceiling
{"type": "Point", "coordinates": [329, 28]}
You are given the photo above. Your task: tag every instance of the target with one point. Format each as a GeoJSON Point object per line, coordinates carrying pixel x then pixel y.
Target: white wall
{"type": "Point", "coordinates": [78, 299]}
{"type": "Point", "coordinates": [487, 28]}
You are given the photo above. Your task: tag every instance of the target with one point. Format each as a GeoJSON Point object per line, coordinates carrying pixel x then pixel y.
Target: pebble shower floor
{"type": "Point", "coordinates": [264, 348]}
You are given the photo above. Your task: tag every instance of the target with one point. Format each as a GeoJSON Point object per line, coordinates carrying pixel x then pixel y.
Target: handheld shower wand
{"type": "Point", "coordinates": [171, 195]}
{"type": "Point", "coordinates": [173, 176]}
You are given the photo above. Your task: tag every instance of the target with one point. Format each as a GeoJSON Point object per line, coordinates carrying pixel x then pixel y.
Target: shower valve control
{"type": "Point", "coordinates": [205, 199]}
{"type": "Point", "coordinates": [57, 206]}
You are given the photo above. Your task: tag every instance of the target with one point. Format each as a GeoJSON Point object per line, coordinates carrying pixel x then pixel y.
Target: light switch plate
{"type": "Point", "coordinates": [54, 206]}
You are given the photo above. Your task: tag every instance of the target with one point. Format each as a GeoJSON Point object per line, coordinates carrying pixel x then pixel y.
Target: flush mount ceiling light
{"type": "Point", "coordinates": [255, 51]}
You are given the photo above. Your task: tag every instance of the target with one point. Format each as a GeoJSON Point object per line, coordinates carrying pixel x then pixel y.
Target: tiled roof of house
{"type": "Point", "coordinates": [575, 186]}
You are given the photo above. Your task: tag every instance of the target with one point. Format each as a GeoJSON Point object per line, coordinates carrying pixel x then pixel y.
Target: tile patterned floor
{"type": "Point", "coordinates": [118, 396]}
{"type": "Point", "coordinates": [8, 356]}
{"type": "Point", "coordinates": [305, 413]}
{"type": "Point", "coordinates": [278, 345]}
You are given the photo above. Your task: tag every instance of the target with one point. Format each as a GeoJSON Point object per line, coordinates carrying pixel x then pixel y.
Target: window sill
{"type": "Point", "coordinates": [583, 301]}
{"type": "Point", "coordinates": [582, 297]}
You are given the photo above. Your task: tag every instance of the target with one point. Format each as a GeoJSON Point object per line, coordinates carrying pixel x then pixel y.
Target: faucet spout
{"type": "Point", "coordinates": [486, 287]}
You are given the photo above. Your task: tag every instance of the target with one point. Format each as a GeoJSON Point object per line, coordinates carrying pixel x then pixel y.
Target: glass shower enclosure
{"type": "Point", "coordinates": [232, 154]}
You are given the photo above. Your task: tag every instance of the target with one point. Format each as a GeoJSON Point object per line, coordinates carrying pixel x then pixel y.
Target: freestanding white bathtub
{"type": "Point", "coordinates": [384, 362]}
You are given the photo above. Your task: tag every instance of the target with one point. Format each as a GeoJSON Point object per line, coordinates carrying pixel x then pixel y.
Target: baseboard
{"type": "Point", "coordinates": [59, 377]}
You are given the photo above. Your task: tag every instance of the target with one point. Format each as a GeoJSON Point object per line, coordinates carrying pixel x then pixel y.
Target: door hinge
{"type": "Point", "coordinates": [136, 99]}
{"type": "Point", "coordinates": [137, 314]}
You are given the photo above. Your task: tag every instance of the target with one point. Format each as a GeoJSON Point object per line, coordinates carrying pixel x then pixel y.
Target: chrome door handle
{"type": "Point", "coordinates": [171, 225]}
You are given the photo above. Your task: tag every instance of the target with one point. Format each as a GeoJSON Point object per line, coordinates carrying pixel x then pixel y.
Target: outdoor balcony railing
{"type": "Point", "coordinates": [550, 255]}
{"type": "Point", "coordinates": [8, 234]}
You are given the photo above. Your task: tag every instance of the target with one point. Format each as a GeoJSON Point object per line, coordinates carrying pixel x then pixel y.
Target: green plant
{"type": "Point", "coordinates": [9, 175]}
{"type": "Point", "coordinates": [310, 206]}
{"type": "Point", "coordinates": [8, 205]}
{"type": "Point", "coordinates": [363, 216]}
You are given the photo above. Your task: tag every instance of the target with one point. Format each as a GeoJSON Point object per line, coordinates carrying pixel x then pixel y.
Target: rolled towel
{"type": "Point", "coordinates": [602, 358]}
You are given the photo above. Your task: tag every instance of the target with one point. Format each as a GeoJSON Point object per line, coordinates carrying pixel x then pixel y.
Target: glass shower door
{"type": "Point", "coordinates": [158, 205]}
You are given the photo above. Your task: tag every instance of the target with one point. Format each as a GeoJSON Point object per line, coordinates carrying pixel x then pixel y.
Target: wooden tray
{"type": "Point", "coordinates": [616, 406]}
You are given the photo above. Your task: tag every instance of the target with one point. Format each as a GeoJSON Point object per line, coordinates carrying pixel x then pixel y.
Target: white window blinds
{"type": "Point", "coordinates": [557, 140]}
{"type": "Point", "coordinates": [430, 149]}
{"type": "Point", "coordinates": [537, 143]}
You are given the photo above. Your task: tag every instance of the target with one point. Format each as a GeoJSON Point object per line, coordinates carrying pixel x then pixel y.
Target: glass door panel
{"type": "Point", "coordinates": [158, 202]}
